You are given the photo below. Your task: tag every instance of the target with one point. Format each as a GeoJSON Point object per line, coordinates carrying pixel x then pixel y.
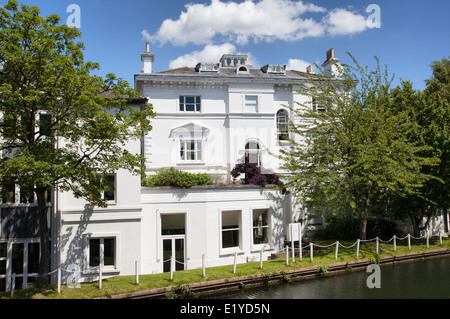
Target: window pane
{"type": "Point", "coordinates": [33, 258]}
{"type": "Point", "coordinates": [190, 107]}
{"type": "Point", "coordinates": [260, 226]}
{"type": "Point", "coordinates": [230, 238]}
{"type": "Point", "coordinates": [3, 250]}
{"type": "Point", "coordinates": [172, 224]}
{"type": "Point", "coordinates": [251, 104]}
{"type": "Point", "coordinates": [2, 267]}
{"type": "Point", "coordinates": [260, 217]}
{"type": "Point", "coordinates": [44, 125]}
{"type": "Point", "coordinates": [181, 103]}
{"type": "Point", "coordinates": [26, 197]}
{"type": "Point", "coordinates": [10, 197]}
{"type": "Point", "coordinates": [230, 229]}
{"type": "Point", "coordinates": [109, 251]}
{"type": "Point", "coordinates": [182, 148]}
{"type": "Point", "coordinates": [94, 252]}
{"type": "Point", "coordinates": [17, 259]}
{"type": "Point", "coordinates": [110, 195]}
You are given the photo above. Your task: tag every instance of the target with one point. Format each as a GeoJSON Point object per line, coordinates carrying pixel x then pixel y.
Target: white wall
{"type": "Point", "coordinates": [202, 207]}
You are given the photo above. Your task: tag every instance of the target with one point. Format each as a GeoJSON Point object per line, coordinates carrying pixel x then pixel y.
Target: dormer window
{"type": "Point", "coordinates": [274, 69]}
{"type": "Point", "coordinates": [208, 67]}
{"type": "Point", "coordinates": [242, 70]}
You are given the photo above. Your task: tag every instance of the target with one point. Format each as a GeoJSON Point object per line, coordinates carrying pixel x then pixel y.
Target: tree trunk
{"type": "Point", "coordinates": [44, 232]}
{"type": "Point", "coordinates": [415, 226]}
{"type": "Point", "coordinates": [363, 228]}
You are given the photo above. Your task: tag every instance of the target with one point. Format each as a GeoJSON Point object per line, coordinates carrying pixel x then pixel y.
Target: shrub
{"type": "Point", "coordinates": [252, 175]}
{"type": "Point", "coordinates": [176, 178]}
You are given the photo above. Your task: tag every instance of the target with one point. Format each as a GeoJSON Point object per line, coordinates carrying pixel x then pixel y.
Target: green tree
{"type": "Point", "coordinates": [61, 126]}
{"type": "Point", "coordinates": [349, 147]}
{"type": "Point", "coordinates": [430, 110]}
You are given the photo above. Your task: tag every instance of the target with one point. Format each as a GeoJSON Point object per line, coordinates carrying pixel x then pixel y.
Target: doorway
{"type": "Point", "coordinates": [19, 259]}
{"type": "Point", "coordinates": [173, 247]}
{"type": "Point", "coordinates": [173, 235]}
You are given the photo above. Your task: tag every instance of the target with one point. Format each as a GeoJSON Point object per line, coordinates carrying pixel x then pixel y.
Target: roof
{"type": "Point", "coordinates": [227, 72]}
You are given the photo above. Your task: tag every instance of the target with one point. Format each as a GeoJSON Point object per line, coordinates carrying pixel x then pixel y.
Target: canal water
{"type": "Point", "coordinates": [428, 279]}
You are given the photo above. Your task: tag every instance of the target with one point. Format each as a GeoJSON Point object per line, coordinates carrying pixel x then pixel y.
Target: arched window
{"type": "Point", "coordinates": [282, 125]}
{"type": "Point", "coordinates": [253, 153]}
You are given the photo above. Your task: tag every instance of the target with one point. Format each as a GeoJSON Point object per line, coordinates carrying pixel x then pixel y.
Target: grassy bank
{"type": "Point", "coordinates": [127, 285]}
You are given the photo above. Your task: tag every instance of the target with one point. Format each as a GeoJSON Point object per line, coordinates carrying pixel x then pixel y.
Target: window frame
{"type": "Point", "coordinates": [182, 153]}
{"type": "Point", "coordinates": [230, 249]}
{"type": "Point", "coordinates": [267, 227]}
{"type": "Point", "coordinates": [89, 269]}
{"type": "Point", "coordinates": [114, 192]}
{"type": "Point", "coordinates": [317, 106]}
{"type": "Point", "coordinates": [282, 134]}
{"type": "Point", "coordinates": [182, 105]}
{"type": "Point", "coordinates": [247, 104]}
{"type": "Point", "coordinates": [253, 151]}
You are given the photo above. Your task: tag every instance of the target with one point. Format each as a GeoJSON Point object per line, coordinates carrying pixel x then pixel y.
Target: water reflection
{"type": "Point", "coordinates": [418, 280]}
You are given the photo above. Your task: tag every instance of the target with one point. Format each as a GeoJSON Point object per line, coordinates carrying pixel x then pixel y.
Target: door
{"type": "Point", "coordinates": [21, 259]}
{"type": "Point", "coordinates": [173, 246]}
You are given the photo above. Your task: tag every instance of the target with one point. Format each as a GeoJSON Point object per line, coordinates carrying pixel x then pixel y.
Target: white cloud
{"type": "Point", "coordinates": [210, 53]}
{"type": "Point", "coordinates": [239, 22]}
{"type": "Point", "coordinates": [341, 21]}
{"type": "Point", "coordinates": [263, 20]}
{"type": "Point", "coordinates": [298, 65]}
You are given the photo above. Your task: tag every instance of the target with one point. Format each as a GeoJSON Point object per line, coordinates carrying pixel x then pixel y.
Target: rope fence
{"type": "Point", "coordinates": [173, 261]}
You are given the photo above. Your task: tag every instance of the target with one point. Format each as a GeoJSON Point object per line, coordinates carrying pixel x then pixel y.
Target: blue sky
{"type": "Point", "coordinates": [412, 33]}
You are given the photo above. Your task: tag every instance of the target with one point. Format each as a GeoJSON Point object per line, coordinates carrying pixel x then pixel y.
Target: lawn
{"type": "Point", "coordinates": [127, 284]}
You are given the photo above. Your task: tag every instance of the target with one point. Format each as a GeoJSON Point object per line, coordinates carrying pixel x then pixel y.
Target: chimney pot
{"type": "Point", "coordinates": [330, 54]}
{"type": "Point", "coordinates": [147, 47]}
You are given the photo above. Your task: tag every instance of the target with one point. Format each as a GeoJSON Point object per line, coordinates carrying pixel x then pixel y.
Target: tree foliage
{"type": "Point", "coordinates": [430, 111]}
{"type": "Point", "coordinates": [61, 126]}
{"type": "Point", "coordinates": [356, 151]}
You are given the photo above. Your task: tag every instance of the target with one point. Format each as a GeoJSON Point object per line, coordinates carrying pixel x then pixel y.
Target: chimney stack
{"type": "Point", "coordinates": [309, 69]}
{"type": "Point", "coordinates": [330, 54]}
{"type": "Point", "coordinates": [147, 58]}
{"type": "Point", "coordinates": [332, 66]}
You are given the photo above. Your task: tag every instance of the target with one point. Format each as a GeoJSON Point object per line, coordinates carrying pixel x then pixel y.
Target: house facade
{"type": "Point", "coordinates": [208, 119]}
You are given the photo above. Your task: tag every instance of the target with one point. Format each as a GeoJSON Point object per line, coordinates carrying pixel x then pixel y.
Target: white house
{"type": "Point", "coordinates": [208, 119]}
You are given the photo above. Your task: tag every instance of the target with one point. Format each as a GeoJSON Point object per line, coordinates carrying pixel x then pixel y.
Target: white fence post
{"type": "Point", "coordinates": [395, 243]}
{"type": "Point", "coordinates": [261, 258]}
{"type": "Point", "coordinates": [59, 279]}
{"type": "Point", "coordinates": [409, 241]}
{"type": "Point", "coordinates": [136, 265]}
{"type": "Point", "coordinates": [234, 266]}
{"type": "Point", "coordinates": [100, 276]}
{"type": "Point", "coordinates": [100, 266]}
{"type": "Point", "coordinates": [203, 265]}
{"type": "Point", "coordinates": [337, 248]}
{"type": "Point", "coordinates": [440, 239]}
{"type": "Point", "coordinates": [300, 242]}
{"type": "Point", "coordinates": [311, 251]}
{"type": "Point", "coordinates": [357, 247]}
{"type": "Point", "coordinates": [287, 255]}
{"type": "Point", "coordinates": [428, 238]}
{"type": "Point", "coordinates": [172, 263]}
{"type": "Point", "coordinates": [377, 245]}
